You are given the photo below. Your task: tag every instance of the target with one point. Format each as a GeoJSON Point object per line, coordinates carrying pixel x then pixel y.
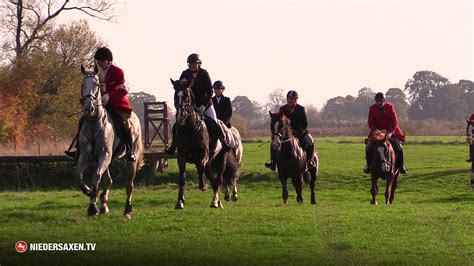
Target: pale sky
{"type": "Point", "coordinates": [322, 49]}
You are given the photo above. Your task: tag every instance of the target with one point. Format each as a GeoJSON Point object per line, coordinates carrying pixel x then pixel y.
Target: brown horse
{"type": "Point", "coordinates": [192, 141]}
{"type": "Point", "coordinates": [383, 165]}
{"type": "Point", "coordinates": [291, 158]}
{"type": "Point", "coordinates": [469, 131]}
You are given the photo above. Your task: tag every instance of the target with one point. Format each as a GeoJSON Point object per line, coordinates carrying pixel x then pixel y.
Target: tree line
{"type": "Point", "coordinates": [39, 81]}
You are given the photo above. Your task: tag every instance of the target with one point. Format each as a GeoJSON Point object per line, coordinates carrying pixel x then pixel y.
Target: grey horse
{"type": "Point", "coordinates": [99, 144]}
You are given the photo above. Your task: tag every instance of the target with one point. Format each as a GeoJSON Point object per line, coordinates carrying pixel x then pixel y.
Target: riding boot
{"type": "Point", "coordinates": [170, 149]}
{"type": "Point", "coordinates": [311, 164]}
{"type": "Point", "coordinates": [272, 164]}
{"type": "Point", "coordinates": [226, 146]}
{"type": "Point", "coordinates": [367, 159]}
{"type": "Point", "coordinates": [129, 145]}
{"type": "Point", "coordinates": [402, 168]}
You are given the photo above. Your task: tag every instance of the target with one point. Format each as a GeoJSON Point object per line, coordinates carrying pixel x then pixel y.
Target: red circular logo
{"type": "Point", "coordinates": [21, 246]}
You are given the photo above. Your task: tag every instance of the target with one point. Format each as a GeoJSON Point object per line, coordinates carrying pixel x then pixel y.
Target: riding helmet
{"type": "Point", "coordinates": [292, 94]}
{"type": "Point", "coordinates": [379, 97]}
{"type": "Point", "coordinates": [218, 85]}
{"type": "Point", "coordinates": [103, 53]}
{"type": "Point", "coordinates": [194, 58]}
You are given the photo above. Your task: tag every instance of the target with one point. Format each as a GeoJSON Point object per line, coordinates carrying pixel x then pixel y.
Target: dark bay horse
{"type": "Point", "coordinates": [383, 165]}
{"type": "Point", "coordinates": [469, 132]}
{"type": "Point", "coordinates": [291, 158]}
{"type": "Point", "coordinates": [99, 144]}
{"type": "Point", "coordinates": [192, 141]}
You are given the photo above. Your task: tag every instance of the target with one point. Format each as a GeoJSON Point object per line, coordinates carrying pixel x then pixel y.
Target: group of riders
{"type": "Point", "coordinates": [382, 115]}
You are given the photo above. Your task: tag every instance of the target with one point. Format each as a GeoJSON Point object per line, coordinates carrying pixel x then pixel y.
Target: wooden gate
{"type": "Point", "coordinates": [156, 115]}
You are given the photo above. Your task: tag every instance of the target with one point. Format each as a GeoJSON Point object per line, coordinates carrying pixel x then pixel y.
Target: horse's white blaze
{"type": "Point", "coordinates": [275, 127]}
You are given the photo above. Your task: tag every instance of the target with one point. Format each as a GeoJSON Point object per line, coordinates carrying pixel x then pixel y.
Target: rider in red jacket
{"type": "Point", "coordinates": [114, 98]}
{"type": "Point", "coordinates": [382, 115]}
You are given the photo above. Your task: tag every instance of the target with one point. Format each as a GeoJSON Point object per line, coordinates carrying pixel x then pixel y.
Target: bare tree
{"type": "Point", "coordinates": [30, 21]}
{"type": "Point", "coordinates": [276, 99]}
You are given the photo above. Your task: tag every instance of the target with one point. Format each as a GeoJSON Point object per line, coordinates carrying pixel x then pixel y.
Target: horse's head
{"type": "Point", "coordinates": [183, 101]}
{"type": "Point", "coordinates": [91, 93]}
{"type": "Point", "coordinates": [382, 158]}
{"type": "Point", "coordinates": [280, 128]}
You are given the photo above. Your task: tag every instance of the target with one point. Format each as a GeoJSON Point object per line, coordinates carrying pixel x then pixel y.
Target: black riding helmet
{"type": "Point", "coordinates": [103, 53]}
{"type": "Point", "coordinates": [194, 58]}
{"type": "Point", "coordinates": [292, 94]}
{"type": "Point", "coordinates": [379, 97]}
{"type": "Point", "coordinates": [218, 85]}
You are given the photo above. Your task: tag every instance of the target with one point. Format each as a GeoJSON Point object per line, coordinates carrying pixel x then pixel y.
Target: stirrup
{"type": "Point", "coordinates": [131, 157]}
{"type": "Point", "coordinates": [270, 165]}
{"type": "Point", "coordinates": [170, 149]}
{"type": "Point", "coordinates": [402, 170]}
{"type": "Point", "coordinates": [71, 154]}
{"type": "Point", "coordinates": [367, 169]}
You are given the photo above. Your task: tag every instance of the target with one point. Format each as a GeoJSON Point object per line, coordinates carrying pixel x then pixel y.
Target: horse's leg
{"type": "Point", "coordinates": [394, 186]}
{"type": "Point", "coordinates": [78, 174]}
{"type": "Point", "coordinates": [101, 168]}
{"type": "Point", "coordinates": [234, 188]}
{"type": "Point", "coordinates": [225, 188]}
{"type": "Point", "coordinates": [216, 182]}
{"type": "Point", "coordinates": [284, 186]}
{"type": "Point", "coordinates": [312, 185]}
{"type": "Point", "coordinates": [388, 189]}
{"type": "Point", "coordinates": [374, 190]}
{"type": "Point", "coordinates": [202, 179]}
{"type": "Point", "coordinates": [182, 182]}
{"type": "Point", "coordinates": [132, 170]}
{"type": "Point", "coordinates": [298, 184]}
{"type": "Point", "coordinates": [104, 196]}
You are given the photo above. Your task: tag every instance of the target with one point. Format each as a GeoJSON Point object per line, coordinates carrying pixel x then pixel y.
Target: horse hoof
{"type": "Point", "coordinates": [285, 201]}
{"type": "Point", "coordinates": [313, 202]}
{"type": "Point", "coordinates": [214, 204]}
{"type": "Point", "coordinates": [93, 210]}
{"type": "Point", "coordinates": [227, 197]}
{"type": "Point", "coordinates": [203, 187]}
{"type": "Point", "coordinates": [179, 205]}
{"type": "Point", "coordinates": [234, 197]}
{"type": "Point", "coordinates": [373, 202]}
{"type": "Point", "coordinates": [127, 216]}
{"type": "Point", "coordinates": [104, 209]}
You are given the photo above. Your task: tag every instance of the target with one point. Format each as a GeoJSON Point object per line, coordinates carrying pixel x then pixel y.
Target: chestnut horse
{"type": "Point", "coordinates": [291, 158]}
{"type": "Point", "coordinates": [383, 165]}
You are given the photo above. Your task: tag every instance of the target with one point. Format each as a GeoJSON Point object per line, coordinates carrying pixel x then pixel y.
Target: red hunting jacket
{"type": "Point", "coordinates": [388, 120]}
{"type": "Point", "coordinates": [115, 87]}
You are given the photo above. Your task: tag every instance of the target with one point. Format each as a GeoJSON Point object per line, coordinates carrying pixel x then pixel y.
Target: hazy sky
{"type": "Point", "coordinates": [322, 49]}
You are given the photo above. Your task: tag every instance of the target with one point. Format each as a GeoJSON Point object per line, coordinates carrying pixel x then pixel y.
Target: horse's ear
{"type": "Point", "coordinates": [96, 70]}
{"type": "Point", "coordinates": [83, 70]}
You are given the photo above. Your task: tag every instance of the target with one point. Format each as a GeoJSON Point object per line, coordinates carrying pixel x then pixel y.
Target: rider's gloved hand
{"type": "Point", "coordinates": [389, 135]}
{"type": "Point", "coordinates": [105, 99]}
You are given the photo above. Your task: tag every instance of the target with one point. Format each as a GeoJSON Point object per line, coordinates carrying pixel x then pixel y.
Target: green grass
{"type": "Point", "coordinates": [430, 222]}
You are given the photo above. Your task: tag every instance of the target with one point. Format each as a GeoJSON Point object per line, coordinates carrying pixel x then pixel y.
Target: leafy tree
{"type": "Point", "coordinates": [137, 100]}
{"type": "Point", "coordinates": [447, 103]}
{"type": "Point", "coordinates": [249, 110]}
{"type": "Point", "coordinates": [398, 98]}
{"type": "Point", "coordinates": [30, 22]}
{"type": "Point", "coordinates": [334, 109]}
{"type": "Point", "coordinates": [420, 90]}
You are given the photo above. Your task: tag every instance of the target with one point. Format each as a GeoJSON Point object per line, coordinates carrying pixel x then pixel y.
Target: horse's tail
{"type": "Point", "coordinates": [139, 148]}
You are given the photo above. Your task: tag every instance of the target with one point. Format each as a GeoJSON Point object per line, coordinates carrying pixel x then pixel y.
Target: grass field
{"type": "Point", "coordinates": [430, 223]}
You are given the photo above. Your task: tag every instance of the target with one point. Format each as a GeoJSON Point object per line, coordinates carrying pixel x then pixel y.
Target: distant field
{"type": "Point", "coordinates": [430, 222]}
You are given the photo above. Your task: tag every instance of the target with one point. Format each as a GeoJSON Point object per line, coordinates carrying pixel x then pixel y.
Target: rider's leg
{"type": "Point", "coordinates": [75, 142]}
{"type": "Point", "coordinates": [272, 164]}
{"type": "Point", "coordinates": [170, 149]}
{"type": "Point", "coordinates": [309, 143]}
{"type": "Point", "coordinates": [210, 112]}
{"type": "Point", "coordinates": [471, 153]}
{"type": "Point", "coordinates": [128, 137]}
{"type": "Point", "coordinates": [368, 155]}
